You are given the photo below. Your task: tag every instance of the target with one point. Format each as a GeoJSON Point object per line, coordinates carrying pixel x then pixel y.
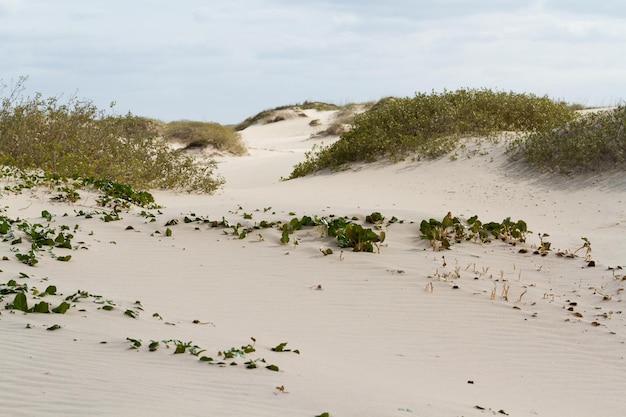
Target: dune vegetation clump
{"type": "Point", "coordinates": [76, 139]}
{"type": "Point", "coordinates": [594, 141]}
{"type": "Point", "coordinates": [201, 135]}
{"type": "Point", "coordinates": [429, 126]}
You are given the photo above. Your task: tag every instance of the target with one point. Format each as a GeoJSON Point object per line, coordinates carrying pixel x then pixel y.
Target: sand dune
{"type": "Point", "coordinates": [395, 333]}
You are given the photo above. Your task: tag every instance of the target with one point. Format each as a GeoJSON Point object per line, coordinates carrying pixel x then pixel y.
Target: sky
{"type": "Point", "coordinates": [226, 60]}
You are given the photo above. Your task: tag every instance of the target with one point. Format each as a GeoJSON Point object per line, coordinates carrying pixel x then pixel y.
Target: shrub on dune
{"type": "Point", "coordinates": [76, 139]}
{"type": "Point", "coordinates": [429, 125]}
{"type": "Point", "coordinates": [192, 134]}
{"type": "Point", "coordinates": [593, 142]}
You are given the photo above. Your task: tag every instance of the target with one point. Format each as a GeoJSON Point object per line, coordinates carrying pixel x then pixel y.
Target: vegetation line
{"type": "Point", "coordinates": [76, 139]}
{"type": "Point", "coordinates": [429, 126]}
{"type": "Point", "coordinates": [594, 142]}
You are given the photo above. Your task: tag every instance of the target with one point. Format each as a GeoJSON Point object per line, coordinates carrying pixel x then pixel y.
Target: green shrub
{"type": "Point", "coordinates": [115, 193]}
{"type": "Point", "coordinates": [201, 135]}
{"type": "Point", "coordinates": [442, 234]}
{"type": "Point", "coordinates": [76, 139]}
{"type": "Point", "coordinates": [592, 142]}
{"type": "Point", "coordinates": [359, 238]}
{"type": "Point", "coordinates": [429, 125]}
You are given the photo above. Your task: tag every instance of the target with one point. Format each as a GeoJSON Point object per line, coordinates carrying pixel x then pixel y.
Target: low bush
{"type": "Point", "coordinates": [442, 234]}
{"type": "Point", "coordinates": [593, 142]}
{"type": "Point", "coordinates": [76, 139]}
{"type": "Point", "coordinates": [193, 134]}
{"type": "Point", "coordinates": [347, 233]}
{"type": "Point", "coordinates": [429, 125]}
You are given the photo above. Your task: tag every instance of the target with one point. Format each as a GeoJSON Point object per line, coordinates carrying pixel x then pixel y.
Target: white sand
{"type": "Point", "coordinates": [373, 340]}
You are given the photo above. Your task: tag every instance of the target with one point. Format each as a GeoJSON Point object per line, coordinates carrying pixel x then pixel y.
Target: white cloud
{"type": "Point", "coordinates": [225, 60]}
{"type": "Point", "coordinates": [8, 6]}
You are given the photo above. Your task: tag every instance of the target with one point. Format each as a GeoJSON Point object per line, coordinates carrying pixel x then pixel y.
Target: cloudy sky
{"type": "Point", "coordinates": [225, 60]}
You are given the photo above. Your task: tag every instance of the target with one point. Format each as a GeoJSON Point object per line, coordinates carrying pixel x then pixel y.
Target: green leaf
{"type": "Point", "coordinates": [327, 251]}
{"type": "Point", "coordinates": [168, 232]}
{"type": "Point", "coordinates": [51, 290]}
{"type": "Point", "coordinates": [323, 415]}
{"type": "Point", "coordinates": [107, 307]}
{"type": "Point", "coordinates": [131, 313]}
{"type": "Point", "coordinates": [196, 351]}
{"type": "Point", "coordinates": [280, 347]}
{"type": "Point", "coordinates": [285, 235]}
{"type": "Point", "coordinates": [63, 241]}
{"type": "Point", "coordinates": [41, 307]}
{"type": "Point", "coordinates": [153, 346]}
{"type": "Point", "coordinates": [20, 303]}
{"type": "Point", "coordinates": [272, 368]}
{"type": "Point", "coordinates": [134, 343]}
{"type": "Point", "coordinates": [27, 258]}
{"type": "Point", "coordinates": [5, 226]}
{"type": "Point", "coordinates": [64, 258]}
{"type": "Point", "coordinates": [54, 327]}
{"type": "Point", "coordinates": [248, 349]}
{"type": "Point", "coordinates": [62, 308]}
{"type": "Point", "coordinates": [374, 218]}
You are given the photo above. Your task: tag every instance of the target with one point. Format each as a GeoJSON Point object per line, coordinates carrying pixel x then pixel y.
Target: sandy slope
{"type": "Point", "coordinates": [373, 341]}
